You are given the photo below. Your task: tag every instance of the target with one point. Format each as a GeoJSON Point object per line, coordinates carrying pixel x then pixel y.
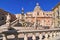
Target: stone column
{"type": "Point", "coordinates": [46, 37]}
{"type": "Point", "coordinates": [33, 37]}
{"type": "Point", "coordinates": [25, 37]}
{"type": "Point", "coordinates": [40, 37]}
{"type": "Point", "coordinates": [35, 25]}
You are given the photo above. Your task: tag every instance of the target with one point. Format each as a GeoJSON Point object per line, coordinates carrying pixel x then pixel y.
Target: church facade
{"type": "Point", "coordinates": [43, 18]}
{"type": "Point", "coordinates": [37, 17]}
{"type": "Point", "coordinates": [36, 25]}
{"type": "Point", "coordinates": [56, 14]}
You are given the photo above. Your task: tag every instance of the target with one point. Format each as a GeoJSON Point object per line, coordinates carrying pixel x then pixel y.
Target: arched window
{"type": "Point", "coordinates": [37, 13]}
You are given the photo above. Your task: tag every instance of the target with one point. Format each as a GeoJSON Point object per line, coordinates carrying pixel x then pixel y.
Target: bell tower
{"type": "Point", "coordinates": [22, 17]}
{"type": "Point", "coordinates": [22, 14]}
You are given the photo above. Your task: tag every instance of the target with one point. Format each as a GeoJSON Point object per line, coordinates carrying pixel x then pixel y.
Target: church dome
{"type": "Point", "coordinates": [37, 7]}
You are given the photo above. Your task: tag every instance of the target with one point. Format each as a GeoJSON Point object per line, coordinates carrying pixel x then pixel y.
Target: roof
{"type": "Point", "coordinates": [13, 17]}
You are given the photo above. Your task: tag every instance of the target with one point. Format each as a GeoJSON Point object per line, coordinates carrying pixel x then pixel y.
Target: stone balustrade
{"type": "Point", "coordinates": [49, 34]}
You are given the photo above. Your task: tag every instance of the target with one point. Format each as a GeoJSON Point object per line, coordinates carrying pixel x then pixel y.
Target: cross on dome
{"type": "Point", "coordinates": [37, 4]}
{"type": "Point", "coordinates": [22, 8]}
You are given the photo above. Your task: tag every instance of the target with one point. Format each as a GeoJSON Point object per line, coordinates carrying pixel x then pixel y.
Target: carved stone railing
{"type": "Point", "coordinates": [12, 23]}
{"type": "Point", "coordinates": [53, 33]}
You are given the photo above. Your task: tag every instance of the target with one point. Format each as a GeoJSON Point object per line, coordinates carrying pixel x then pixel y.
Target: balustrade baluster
{"type": "Point", "coordinates": [33, 37]}
{"type": "Point", "coordinates": [25, 36]}
{"type": "Point", "coordinates": [40, 37]}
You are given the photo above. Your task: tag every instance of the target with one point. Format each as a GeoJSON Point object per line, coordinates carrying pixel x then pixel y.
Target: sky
{"type": "Point", "coordinates": [15, 6]}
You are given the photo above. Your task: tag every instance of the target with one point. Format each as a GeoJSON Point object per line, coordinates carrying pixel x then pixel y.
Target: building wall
{"type": "Point", "coordinates": [56, 14]}
{"type": "Point", "coordinates": [44, 18]}
{"type": "Point", "coordinates": [3, 17]}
